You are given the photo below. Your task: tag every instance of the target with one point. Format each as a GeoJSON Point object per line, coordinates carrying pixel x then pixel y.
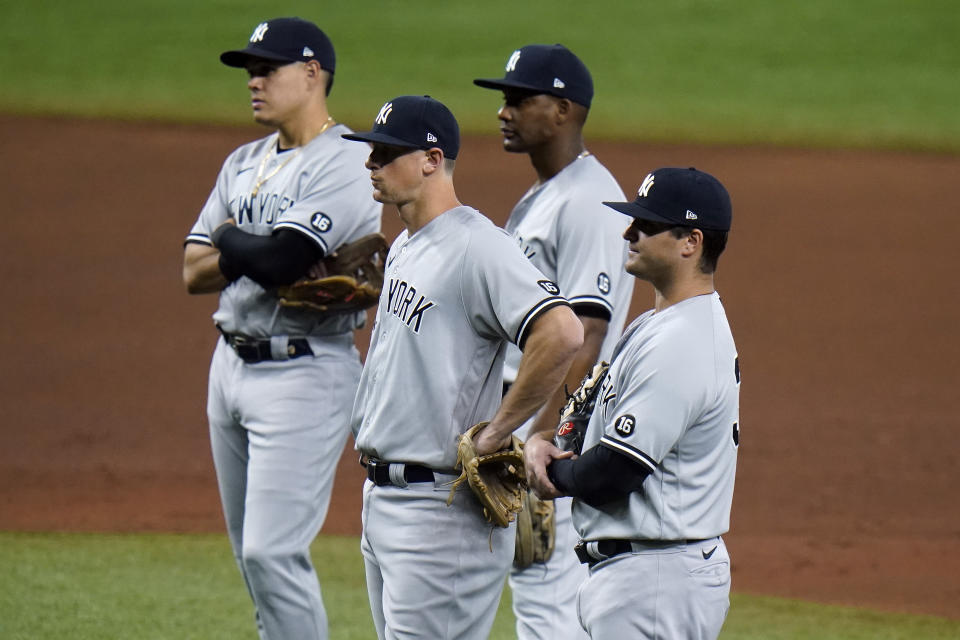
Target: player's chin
{"type": "Point", "coordinates": [381, 197]}
{"type": "Point", "coordinates": [633, 265]}
{"type": "Point", "coordinates": [513, 145]}
{"type": "Point", "coordinates": [262, 116]}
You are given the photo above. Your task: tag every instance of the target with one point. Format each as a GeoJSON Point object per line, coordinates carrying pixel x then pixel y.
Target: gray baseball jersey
{"type": "Point", "coordinates": [564, 228]}
{"type": "Point", "coordinates": [671, 402]}
{"type": "Point", "coordinates": [568, 233]}
{"type": "Point", "coordinates": [277, 428]}
{"type": "Point", "coordinates": [454, 294]}
{"type": "Point", "coordinates": [319, 190]}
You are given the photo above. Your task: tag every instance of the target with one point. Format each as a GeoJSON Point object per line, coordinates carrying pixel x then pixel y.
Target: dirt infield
{"type": "Point", "coordinates": [837, 282]}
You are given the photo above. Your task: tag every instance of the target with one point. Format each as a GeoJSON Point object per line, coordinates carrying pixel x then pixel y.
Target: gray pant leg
{"type": "Point", "coordinates": [658, 595]}
{"type": "Point", "coordinates": [440, 580]}
{"type": "Point", "coordinates": [294, 418]}
{"type": "Point", "coordinates": [545, 595]}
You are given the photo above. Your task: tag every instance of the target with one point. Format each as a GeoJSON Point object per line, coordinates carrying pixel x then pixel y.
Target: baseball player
{"type": "Point", "coordinates": [282, 381]}
{"type": "Point", "coordinates": [653, 485]}
{"type": "Point", "coordinates": [563, 227]}
{"type": "Point", "coordinates": [457, 289]}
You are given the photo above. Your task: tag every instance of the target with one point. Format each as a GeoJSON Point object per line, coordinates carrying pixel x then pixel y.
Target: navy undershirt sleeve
{"type": "Point", "coordinates": [600, 476]}
{"type": "Point", "coordinates": [591, 310]}
{"type": "Point", "coordinates": [270, 261]}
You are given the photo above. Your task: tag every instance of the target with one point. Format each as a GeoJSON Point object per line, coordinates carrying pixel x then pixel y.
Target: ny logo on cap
{"type": "Point", "coordinates": [259, 32]}
{"type": "Point", "coordinates": [644, 189]}
{"type": "Point", "coordinates": [384, 113]}
{"type": "Point", "coordinates": [512, 62]}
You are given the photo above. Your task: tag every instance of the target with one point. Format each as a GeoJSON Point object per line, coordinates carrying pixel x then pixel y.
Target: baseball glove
{"type": "Point", "coordinates": [575, 415]}
{"type": "Point", "coordinates": [497, 479]}
{"type": "Point", "coordinates": [351, 280]}
{"type": "Point", "coordinates": [536, 529]}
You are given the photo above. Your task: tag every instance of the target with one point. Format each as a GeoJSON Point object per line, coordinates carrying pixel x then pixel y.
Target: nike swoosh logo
{"type": "Point", "coordinates": [244, 170]}
{"type": "Point", "coordinates": [708, 554]}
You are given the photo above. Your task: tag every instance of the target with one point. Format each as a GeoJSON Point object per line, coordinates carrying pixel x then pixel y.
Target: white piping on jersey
{"type": "Point", "coordinates": [199, 238]}
{"type": "Point", "coordinates": [536, 311]}
{"type": "Point", "coordinates": [636, 454]}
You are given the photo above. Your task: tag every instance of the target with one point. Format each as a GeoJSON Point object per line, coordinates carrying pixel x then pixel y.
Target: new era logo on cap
{"type": "Point", "coordinates": [307, 52]}
{"type": "Point", "coordinates": [431, 137]}
{"type": "Point", "coordinates": [558, 83]}
{"type": "Point", "coordinates": [691, 215]}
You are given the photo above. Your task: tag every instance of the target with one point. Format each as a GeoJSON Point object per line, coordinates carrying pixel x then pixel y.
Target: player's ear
{"type": "Point", "coordinates": [433, 161]}
{"type": "Point", "coordinates": [315, 71]}
{"type": "Point", "coordinates": [564, 109]}
{"type": "Point", "coordinates": [692, 243]}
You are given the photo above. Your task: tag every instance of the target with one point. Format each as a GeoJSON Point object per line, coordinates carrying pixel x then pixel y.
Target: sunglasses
{"type": "Point", "coordinates": [651, 227]}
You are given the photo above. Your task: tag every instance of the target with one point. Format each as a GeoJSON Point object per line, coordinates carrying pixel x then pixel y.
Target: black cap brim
{"type": "Point", "coordinates": [381, 138]}
{"type": "Point", "coordinates": [634, 210]}
{"type": "Point", "coordinates": [240, 57]}
{"type": "Point", "coordinates": [501, 84]}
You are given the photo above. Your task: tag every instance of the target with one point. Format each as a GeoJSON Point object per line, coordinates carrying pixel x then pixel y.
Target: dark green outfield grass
{"type": "Point", "coordinates": [867, 73]}
{"type": "Point", "coordinates": [106, 587]}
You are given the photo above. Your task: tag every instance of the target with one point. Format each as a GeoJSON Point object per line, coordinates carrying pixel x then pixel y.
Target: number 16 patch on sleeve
{"type": "Point", "coordinates": [625, 424]}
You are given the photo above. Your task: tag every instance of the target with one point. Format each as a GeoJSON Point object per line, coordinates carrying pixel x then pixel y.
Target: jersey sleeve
{"type": "Point", "coordinates": [502, 292]}
{"type": "Point", "coordinates": [216, 209]}
{"type": "Point", "coordinates": [590, 250]}
{"type": "Point", "coordinates": [336, 205]}
{"type": "Point", "coordinates": [658, 395]}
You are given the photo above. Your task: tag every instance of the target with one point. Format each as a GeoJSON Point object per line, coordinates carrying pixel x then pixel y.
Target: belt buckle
{"type": "Point", "coordinates": [374, 473]}
{"type": "Point", "coordinates": [241, 341]}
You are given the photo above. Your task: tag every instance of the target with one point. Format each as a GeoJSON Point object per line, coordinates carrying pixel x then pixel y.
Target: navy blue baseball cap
{"type": "Point", "coordinates": [551, 69]}
{"type": "Point", "coordinates": [416, 122]}
{"type": "Point", "coordinates": [285, 40]}
{"type": "Point", "coordinates": [684, 197]}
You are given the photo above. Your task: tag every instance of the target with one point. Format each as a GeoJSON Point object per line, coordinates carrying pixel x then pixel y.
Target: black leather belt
{"type": "Point", "coordinates": [379, 473]}
{"type": "Point", "coordinates": [253, 350]}
{"type": "Point", "coordinates": [590, 553]}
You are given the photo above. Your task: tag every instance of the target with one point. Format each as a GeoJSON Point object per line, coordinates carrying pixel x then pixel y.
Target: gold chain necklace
{"type": "Point", "coordinates": [263, 163]}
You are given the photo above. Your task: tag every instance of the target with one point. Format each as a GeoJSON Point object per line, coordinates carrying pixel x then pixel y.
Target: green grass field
{"type": "Point", "coordinates": [106, 587]}
{"type": "Point", "coordinates": [867, 73]}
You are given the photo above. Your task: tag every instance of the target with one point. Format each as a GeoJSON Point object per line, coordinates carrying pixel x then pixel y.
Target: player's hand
{"type": "Point", "coordinates": [487, 441]}
{"type": "Point", "coordinates": [538, 452]}
{"type": "Point", "coordinates": [318, 270]}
